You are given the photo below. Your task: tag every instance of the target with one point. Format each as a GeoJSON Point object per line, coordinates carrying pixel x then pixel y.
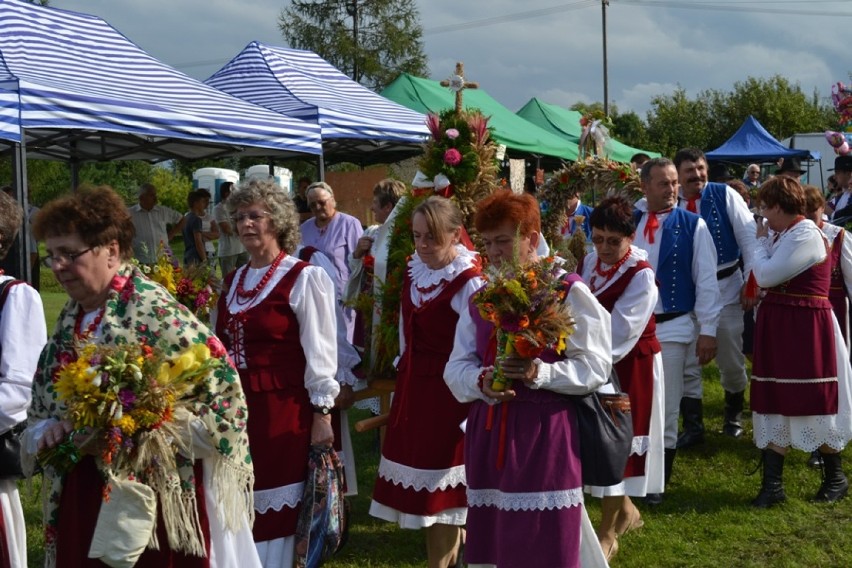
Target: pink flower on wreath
{"type": "Point", "coordinates": [452, 157]}
{"type": "Point", "coordinates": [452, 133]}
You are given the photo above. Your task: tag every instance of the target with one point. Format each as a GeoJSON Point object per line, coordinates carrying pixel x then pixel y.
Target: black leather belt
{"type": "Point", "coordinates": [662, 318]}
{"type": "Point", "coordinates": [725, 272]}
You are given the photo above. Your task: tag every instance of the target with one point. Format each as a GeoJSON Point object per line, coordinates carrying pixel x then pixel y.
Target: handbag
{"type": "Point", "coordinates": [606, 434]}
{"type": "Point", "coordinates": [10, 441]}
{"type": "Point", "coordinates": [10, 453]}
{"type": "Point", "coordinates": [125, 523]}
{"type": "Point", "coordinates": [322, 527]}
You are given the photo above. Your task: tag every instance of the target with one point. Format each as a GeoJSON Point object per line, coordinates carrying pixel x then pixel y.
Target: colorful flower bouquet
{"type": "Point", "coordinates": [195, 286]}
{"type": "Point", "coordinates": [527, 306]}
{"type": "Point", "coordinates": [129, 400]}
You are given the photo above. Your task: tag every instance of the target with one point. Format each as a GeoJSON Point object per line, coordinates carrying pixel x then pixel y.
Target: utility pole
{"type": "Point", "coordinates": [604, 4]}
{"type": "Point", "coordinates": [352, 10]}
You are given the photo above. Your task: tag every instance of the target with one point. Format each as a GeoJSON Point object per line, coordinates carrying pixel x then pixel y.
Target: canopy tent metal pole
{"type": "Point", "coordinates": [74, 165]}
{"type": "Point", "coordinates": [19, 177]}
{"type": "Point", "coordinates": [322, 167]}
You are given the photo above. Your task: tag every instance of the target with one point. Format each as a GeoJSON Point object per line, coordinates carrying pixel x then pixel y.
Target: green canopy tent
{"type": "Point", "coordinates": [520, 136]}
{"type": "Point", "coordinates": [566, 123]}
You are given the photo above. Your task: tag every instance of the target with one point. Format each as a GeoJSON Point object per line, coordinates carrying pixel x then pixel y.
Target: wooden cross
{"type": "Point", "coordinates": [458, 84]}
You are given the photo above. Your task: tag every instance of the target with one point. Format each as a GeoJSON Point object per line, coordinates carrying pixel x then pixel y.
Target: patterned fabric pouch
{"type": "Point", "coordinates": [125, 523]}
{"type": "Point", "coordinates": [322, 526]}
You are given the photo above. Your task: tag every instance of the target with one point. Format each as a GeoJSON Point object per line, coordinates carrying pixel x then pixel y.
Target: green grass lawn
{"type": "Point", "coordinates": [705, 520]}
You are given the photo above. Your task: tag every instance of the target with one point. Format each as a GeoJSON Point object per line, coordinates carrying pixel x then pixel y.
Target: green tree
{"type": "Point", "coordinates": [780, 106]}
{"type": "Point", "coordinates": [707, 121]}
{"type": "Point", "coordinates": [173, 187]}
{"type": "Point", "coordinates": [389, 36]}
{"type": "Point", "coordinates": [675, 122]}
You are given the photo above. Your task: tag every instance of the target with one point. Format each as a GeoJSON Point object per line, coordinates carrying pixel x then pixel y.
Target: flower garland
{"type": "Point", "coordinates": [400, 249]}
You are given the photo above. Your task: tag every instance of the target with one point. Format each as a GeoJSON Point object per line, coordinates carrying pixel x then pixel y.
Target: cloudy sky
{"type": "Point", "coordinates": [541, 48]}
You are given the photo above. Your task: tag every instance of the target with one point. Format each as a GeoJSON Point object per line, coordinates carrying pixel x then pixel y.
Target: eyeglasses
{"type": "Point", "coordinates": [319, 204]}
{"type": "Point", "coordinates": [611, 241]}
{"type": "Point", "coordinates": [65, 258]}
{"type": "Point", "coordinates": [252, 216]}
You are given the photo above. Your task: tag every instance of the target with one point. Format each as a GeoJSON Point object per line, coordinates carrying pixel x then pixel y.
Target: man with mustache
{"type": "Point", "coordinates": [682, 254]}
{"type": "Point", "coordinates": [732, 228]}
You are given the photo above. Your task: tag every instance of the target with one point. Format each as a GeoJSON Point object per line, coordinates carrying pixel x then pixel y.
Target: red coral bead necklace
{"type": "Point", "coordinates": [91, 328]}
{"type": "Point", "coordinates": [606, 274]}
{"type": "Point", "coordinates": [248, 294]}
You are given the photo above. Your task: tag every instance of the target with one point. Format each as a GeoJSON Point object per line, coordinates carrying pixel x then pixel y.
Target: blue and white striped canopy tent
{"type": "Point", "coordinates": [357, 124]}
{"type": "Point", "coordinates": [74, 88]}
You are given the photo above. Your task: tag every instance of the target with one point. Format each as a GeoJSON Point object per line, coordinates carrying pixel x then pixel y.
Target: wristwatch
{"type": "Point", "coordinates": [324, 410]}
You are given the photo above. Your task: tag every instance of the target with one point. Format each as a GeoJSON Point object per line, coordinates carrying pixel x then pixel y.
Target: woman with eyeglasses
{"type": "Point", "coordinates": [522, 464]}
{"type": "Point", "coordinates": [621, 279]}
{"type": "Point", "coordinates": [88, 236]}
{"type": "Point", "coordinates": [276, 316]}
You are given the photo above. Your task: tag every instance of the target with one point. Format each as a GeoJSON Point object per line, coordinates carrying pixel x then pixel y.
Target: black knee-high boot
{"type": "Point", "coordinates": [733, 414]}
{"type": "Point", "coordinates": [692, 410]}
{"type": "Point", "coordinates": [834, 486]}
{"type": "Point", "coordinates": [772, 487]}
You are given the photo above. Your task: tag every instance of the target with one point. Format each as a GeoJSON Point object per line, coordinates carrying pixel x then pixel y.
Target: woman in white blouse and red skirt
{"type": "Point", "coordinates": [622, 280]}
{"type": "Point", "coordinates": [421, 481]}
{"type": "Point", "coordinates": [276, 317]}
{"type": "Point", "coordinates": [800, 395]}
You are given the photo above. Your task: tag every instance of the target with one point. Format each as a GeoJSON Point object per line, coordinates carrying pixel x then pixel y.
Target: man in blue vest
{"type": "Point", "coordinates": [732, 228]}
{"type": "Point", "coordinates": [682, 254]}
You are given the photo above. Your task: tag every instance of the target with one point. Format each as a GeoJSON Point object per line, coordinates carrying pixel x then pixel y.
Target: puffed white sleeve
{"type": "Point", "coordinates": [464, 366]}
{"type": "Point", "coordinates": [313, 300]}
{"type": "Point", "coordinates": [347, 357]}
{"type": "Point", "coordinates": [846, 263]}
{"type": "Point", "coordinates": [23, 334]}
{"type": "Point", "coordinates": [744, 227]}
{"type": "Point", "coordinates": [631, 313]}
{"type": "Point", "coordinates": [588, 356]}
{"type": "Point", "coordinates": [708, 298]}
{"type": "Point", "coordinates": [797, 251]}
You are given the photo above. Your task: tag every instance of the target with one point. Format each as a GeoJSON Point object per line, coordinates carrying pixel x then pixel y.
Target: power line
{"type": "Point", "coordinates": [731, 7]}
{"type": "Point", "coordinates": [526, 15]}
{"type": "Point", "coordinates": [715, 5]}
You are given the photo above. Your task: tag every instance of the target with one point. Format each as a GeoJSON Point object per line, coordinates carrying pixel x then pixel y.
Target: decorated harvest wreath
{"type": "Point", "coordinates": [591, 178]}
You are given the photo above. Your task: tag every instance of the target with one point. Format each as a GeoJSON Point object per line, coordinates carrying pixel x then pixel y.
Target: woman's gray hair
{"type": "Point", "coordinates": [320, 185]}
{"type": "Point", "coordinates": [282, 211]}
{"type": "Point", "coordinates": [11, 218]}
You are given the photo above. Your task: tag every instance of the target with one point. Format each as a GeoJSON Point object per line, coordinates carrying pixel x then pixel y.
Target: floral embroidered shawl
{"type": "Point", "coordinates": [138, 309]}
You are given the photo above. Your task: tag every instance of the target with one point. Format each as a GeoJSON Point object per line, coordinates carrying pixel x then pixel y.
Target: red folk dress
{"type": "Point", "coordinates": [421, 477]}
{"type": "Point", "coordinates": [639, 370]}
{"type": "Point", "coordinates": [800, 380]}
{"type": "Point", "coordinates": [265, 340]}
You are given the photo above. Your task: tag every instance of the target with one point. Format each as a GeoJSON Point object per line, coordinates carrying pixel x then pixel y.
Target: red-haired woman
{"type": "Point", "coordinates": [623, 282]}
{"type": "Point", "coordinates": [523, 467]}
{"type": "Point", "coordinates": [800, 395]}
{"type": "Point", "coordinates": [421, 482]}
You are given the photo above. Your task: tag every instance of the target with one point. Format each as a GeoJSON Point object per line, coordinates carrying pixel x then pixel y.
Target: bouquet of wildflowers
{"type": "Point", "coordinates": [195, 286]}
{"type": "Point", "coordinates": [129, 398]}
{"type": "Point", "coordinates": [526, 304]}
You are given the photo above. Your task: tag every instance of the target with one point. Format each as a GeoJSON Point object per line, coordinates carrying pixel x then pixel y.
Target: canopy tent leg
{"type": "Point", "coordinates": [321, 167]}
{"type": "Point", "coordinates": [19, 180]}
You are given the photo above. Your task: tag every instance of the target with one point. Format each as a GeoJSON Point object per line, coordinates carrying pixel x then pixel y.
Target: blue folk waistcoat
{"type": "Point", "coordinates": [714, 211]}
{"type": "Point", "coordinates": [674, 265]}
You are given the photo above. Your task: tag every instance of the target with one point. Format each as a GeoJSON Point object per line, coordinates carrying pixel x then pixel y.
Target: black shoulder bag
{"type": "Point", "coordinates": [606, 434]}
